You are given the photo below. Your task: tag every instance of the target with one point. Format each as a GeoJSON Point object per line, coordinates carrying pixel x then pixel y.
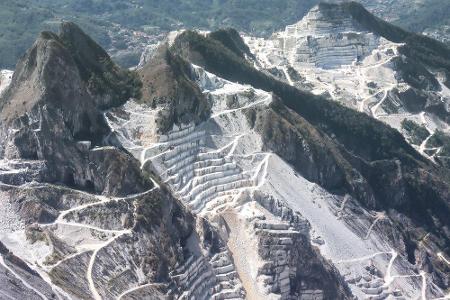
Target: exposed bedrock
{"type": "Point", "coordinates": [330, 36]}
{"type": "Point", "coordinates": [205, 167]}
{"type": "Point", "coordinates": [5, 79]}
{"type": "Point", "coordinates": [326, 37]}
{"type": "Point", "coordinates": [209, 276]}
{"type": "Point", "coordinates": [380, 185]}
{"type": "Point", "coordinates": [357, 151]}
{"type": "Point", "coordinates": [59, 157]}
{"type": "Point", "coordinates": [350, 56]}
{"type": "Point", "coordinates": [205, 188]}
{"type": "Point", "coordinates": [94, 246]}
{"type": "Point", "coordinates": [358, 145]}
{"type": "Point", "coordinates": [293, 267]}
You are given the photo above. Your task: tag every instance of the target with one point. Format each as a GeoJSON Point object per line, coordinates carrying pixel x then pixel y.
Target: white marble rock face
{"type": "Point", "coordinates": [5, 79]}
{"type": "Point", "coordinates": [325, 41]}
{"type": "Point", "coordinates": [219, 170]}
{"type": "Point", "coordinates": [336, 57]}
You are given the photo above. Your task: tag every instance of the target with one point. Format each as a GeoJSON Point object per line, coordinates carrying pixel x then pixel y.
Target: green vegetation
{"type": "Point", "coordinates": [416, 75]}
{"type": "Point", "coordinates": [231, 39]}
{"type": "Point", "coordinates": [362, 147]}
{"type": "Point", "coordinates": [431, 14]}
{"type": "Point", "coordinates": [149, 210]}
{"type": "Point", "coordinates": [167, 80]}
{"type": "Point", "coordinates": [22, 20]}
{"type": "Point", "coordinates": [416, 132]}
{"type": "Point", "coordinates": [17, 33]}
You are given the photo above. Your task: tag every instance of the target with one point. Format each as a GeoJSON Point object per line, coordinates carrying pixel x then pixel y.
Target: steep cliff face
{"type": "Point", "coordinates": [217, 169]}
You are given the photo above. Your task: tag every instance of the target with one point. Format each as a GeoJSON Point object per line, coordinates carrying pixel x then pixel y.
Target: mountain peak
{"type": "Point", "coordinates": [48, 35]}
{"type": "Point", "coordinates": [332, 12]}
{"type": "Point", "coordinates": [86, 52]}
{"type": "Point", "coordinates": [71, 53]}
{"type": "Point", "coordinates": [55, 100]}
{"type": "Point", "coordinates": [167, 82]}
{"type": "Point", "coordinates": [35, 73]}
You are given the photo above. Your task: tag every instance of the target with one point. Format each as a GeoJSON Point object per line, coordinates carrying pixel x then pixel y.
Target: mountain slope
{"type": "Point", "coordinates": [115, 23]}
{"type": "Point", "coordinates": [210, 174]}
{"type": "Point", "coordinates": [381, 170]}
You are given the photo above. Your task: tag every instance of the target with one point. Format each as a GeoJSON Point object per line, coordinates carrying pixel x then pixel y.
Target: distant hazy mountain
{"type": "Point", "coordinates": [113, 23]}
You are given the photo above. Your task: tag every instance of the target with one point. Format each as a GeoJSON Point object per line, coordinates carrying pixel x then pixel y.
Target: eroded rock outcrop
{"type": "Point", "coordinates": [51, 113]}
{"type": "Point", "coordinates": [215, 169]}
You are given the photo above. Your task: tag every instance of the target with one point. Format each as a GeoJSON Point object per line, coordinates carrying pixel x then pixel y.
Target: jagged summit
{"type": "Point", "coordinates": [83, 217]}
{"type": "Point", "coordinates": [48, 77]}
{"type": "Point", "coordinates": [103, 76]}
{"type": "Point", "coordinates": [47, 50]}
{"type": "Point", "coordinates": [90, 53]}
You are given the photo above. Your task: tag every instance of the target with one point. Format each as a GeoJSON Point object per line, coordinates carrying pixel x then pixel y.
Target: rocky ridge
{"type": "Point", "coordinates": [217, 173]}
